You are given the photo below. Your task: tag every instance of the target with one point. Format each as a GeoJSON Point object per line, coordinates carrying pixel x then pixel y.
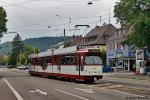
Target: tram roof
{"type": "Point", "coordinates": [73, 49]}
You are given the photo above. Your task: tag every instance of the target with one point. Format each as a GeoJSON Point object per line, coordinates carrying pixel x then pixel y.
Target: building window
{"type": "Point", "coordinates": [110, 46]}
{"type": "Point", "coordinates": [117, 33]}
{"type": "Point", "coordinates": [105, 37]}
{"type": "Point", "coordinates": [114, 46]}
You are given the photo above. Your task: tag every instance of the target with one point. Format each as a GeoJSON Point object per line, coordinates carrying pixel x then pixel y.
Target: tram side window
{"type": "Point", "coordinates": [40, 62]}
{"type": "Point", "coordinates": [48, 60]}
{"type": "Point", "coordinates": [36, 61]}
{"type": "Point", "coordinates": [55, 60]}
{"type": "Point", "coordinates": [68, 59]}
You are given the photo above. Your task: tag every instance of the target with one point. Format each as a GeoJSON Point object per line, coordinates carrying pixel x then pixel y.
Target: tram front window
{"type": "Point", "coordinates": [96, 60]}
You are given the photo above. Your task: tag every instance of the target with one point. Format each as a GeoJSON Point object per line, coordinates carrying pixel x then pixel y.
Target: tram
{"type": "Point", "coordinates": [81, 63]}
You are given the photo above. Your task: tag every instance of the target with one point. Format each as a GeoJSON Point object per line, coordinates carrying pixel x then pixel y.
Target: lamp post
{"type": "Point", "coordinates": [64, 32]}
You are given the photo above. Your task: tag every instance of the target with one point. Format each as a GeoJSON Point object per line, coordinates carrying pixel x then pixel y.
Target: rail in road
{"type": "Point", "coordinates": [25, 87]}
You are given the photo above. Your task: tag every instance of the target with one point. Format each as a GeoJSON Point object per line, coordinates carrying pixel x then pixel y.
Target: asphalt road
{"type": "Point", "coordinates": [19, 85]}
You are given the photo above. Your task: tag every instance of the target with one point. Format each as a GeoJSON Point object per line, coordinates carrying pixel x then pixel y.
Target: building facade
{"type": "Point", "coordinates": [120, 55]}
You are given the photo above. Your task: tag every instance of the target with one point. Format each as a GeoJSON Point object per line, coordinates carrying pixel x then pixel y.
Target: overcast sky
{"type": "Point", "coordinates": [41, 18]}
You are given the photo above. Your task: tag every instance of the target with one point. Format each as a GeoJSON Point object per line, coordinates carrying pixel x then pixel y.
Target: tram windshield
{"type": "Point", "coordinates": [96, 60]}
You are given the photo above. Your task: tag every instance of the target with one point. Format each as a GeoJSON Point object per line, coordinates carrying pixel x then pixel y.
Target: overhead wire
{"type": "Point", "coordinates": [14, 4]}
{"type": "Point", "coordinates": [32, 24]}
{"type": "Point", "coordinates": [37, 10]}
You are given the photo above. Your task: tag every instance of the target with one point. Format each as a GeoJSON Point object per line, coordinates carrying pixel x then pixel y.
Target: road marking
{"type": "Point", "coordinates": [71, 94]}
{"type": "Point", "coordinates": [85, 90]}
{"type": "Point", "coordinates": [114, 86]}
{"type": "Point", "coordinates": [129, 93]}
{"type": "Point", "coordinates": [113, 90]}
{"type": "Point", "coordinates": [13, 90]}
{"type": "Point", "coordinates": [39, 91]}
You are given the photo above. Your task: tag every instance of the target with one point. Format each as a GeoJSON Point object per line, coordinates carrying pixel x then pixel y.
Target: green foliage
{"type": "Point", "coordinates": [103, 55]}
{"type": "Point", "coordinates": [12, 61]}
{"type": "Point", "coordinates": [37, 50]}
{"type": "Point", "coordinates": [135, 13]}
{"type": "Point", "coordinates": [3, 60]}
{"type": "Point", "coordinates": [17, 49]}
{"type": "Point", "coordinates": [27, 51]}
{"type": "Point", "coordinates": [17, 45]}
{"type": "Point", "coordinates": [3, 21]}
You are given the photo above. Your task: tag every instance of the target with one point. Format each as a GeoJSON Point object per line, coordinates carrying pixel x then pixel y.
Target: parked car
{"type": "Point", "coordinates": [107, 68]}
{"type": "Point", "coordinates": [22, 67]}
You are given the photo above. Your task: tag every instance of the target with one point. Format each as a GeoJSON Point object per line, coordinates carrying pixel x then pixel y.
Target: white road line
{"type": "Point", "coordinates": [13, 90]}
{"type": "Point", "coordinates": [128, 93]}
{"type": "Point", "coordinates": [39, 91]}
{"type": "Point", "coordinates": [85, 90]}
{"type": "Point", "coordinates": [72, 94]}
{"type": "Point", "coordinates": [44, 93]}
{"type": "Point", "coordinates": [113, 90]}
{"type": "Point", "coordinates": [114, 86]}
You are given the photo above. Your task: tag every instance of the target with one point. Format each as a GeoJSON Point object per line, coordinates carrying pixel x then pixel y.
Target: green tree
{"type": "Point", "coordinates": [17, 49]}
{"type": "Point", "coordinates": [37, 50]}
{"type": "Point", "coordinates": [103, 55]}
{"type": "Point", "coordinates": [3, 21]}
{"type": "Point", "coordinates": [27, 51]}
{"type": "Point", "coordinates": [12, 61]}
{"type": "Point", "coordinates": [135, 13]}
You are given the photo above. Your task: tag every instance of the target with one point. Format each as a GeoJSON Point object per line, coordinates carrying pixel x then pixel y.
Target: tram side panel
{"type": "Point", "coordinates": [69, 71]}
{"type": "Point", "coordinates": [49, 70]}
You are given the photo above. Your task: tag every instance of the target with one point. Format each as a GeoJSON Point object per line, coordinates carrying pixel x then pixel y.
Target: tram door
{"type": "Point", "coordinates": [59, 64]}
{"type": "Point", "coordinates": [78, 64]}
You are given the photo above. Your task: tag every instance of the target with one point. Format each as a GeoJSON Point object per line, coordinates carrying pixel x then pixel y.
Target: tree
{"type": "Point", "coordinates": [36, 50]}
{"type": "Point", "coordinates": [17, 45]}
{"type": "Point", "coordinates": [3, 21]}
{"type": "Point", "coordinates": [135, 13]}
{"type": "Point", "coordinates": [27, 51]}
{"type": "Point", "coordinates": [103, 55]}
{"type": "Point", "coordinates": [17, 49]}
{"type": "Point", "coordinates": [12, 61]}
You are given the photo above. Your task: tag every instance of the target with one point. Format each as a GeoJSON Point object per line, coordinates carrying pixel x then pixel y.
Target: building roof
{"type": "Point", "coordinates": [99, 32]}
{"type": "Point", "coordinates": [76, 40]}
{"type": "Point", "coordinates": [121, 37]}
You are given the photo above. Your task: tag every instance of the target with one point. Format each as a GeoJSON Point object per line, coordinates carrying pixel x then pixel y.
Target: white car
{"type": "Point", "coordinates": [22, 67]}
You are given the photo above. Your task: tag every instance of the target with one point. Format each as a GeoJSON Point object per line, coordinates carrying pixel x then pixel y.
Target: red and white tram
{"type": "Point", "coordinates": [78, 63]}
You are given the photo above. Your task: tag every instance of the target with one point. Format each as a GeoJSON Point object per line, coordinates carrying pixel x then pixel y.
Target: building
{"type": "Point", "coordinates": [120, 55]}
{"type": "Point", "coordinates": [76, 40]}
{"type": "Point", "coordinates": [99, 35]}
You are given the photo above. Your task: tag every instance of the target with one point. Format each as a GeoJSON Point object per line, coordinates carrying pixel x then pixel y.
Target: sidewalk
{"type": "Point", "coordinates": [128, 78]}
{"type": "Point", "coordinates": [128, 75]}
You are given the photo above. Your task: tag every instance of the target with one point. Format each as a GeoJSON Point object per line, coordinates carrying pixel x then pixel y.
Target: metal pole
{"type": "Point", "coordinates": [64, 38]}
{"type": "Point", "coordinates": [20, 57]}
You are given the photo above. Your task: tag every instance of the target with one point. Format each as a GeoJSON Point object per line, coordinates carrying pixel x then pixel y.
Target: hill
{"type": "Point", "coordinates": [43, 43]}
